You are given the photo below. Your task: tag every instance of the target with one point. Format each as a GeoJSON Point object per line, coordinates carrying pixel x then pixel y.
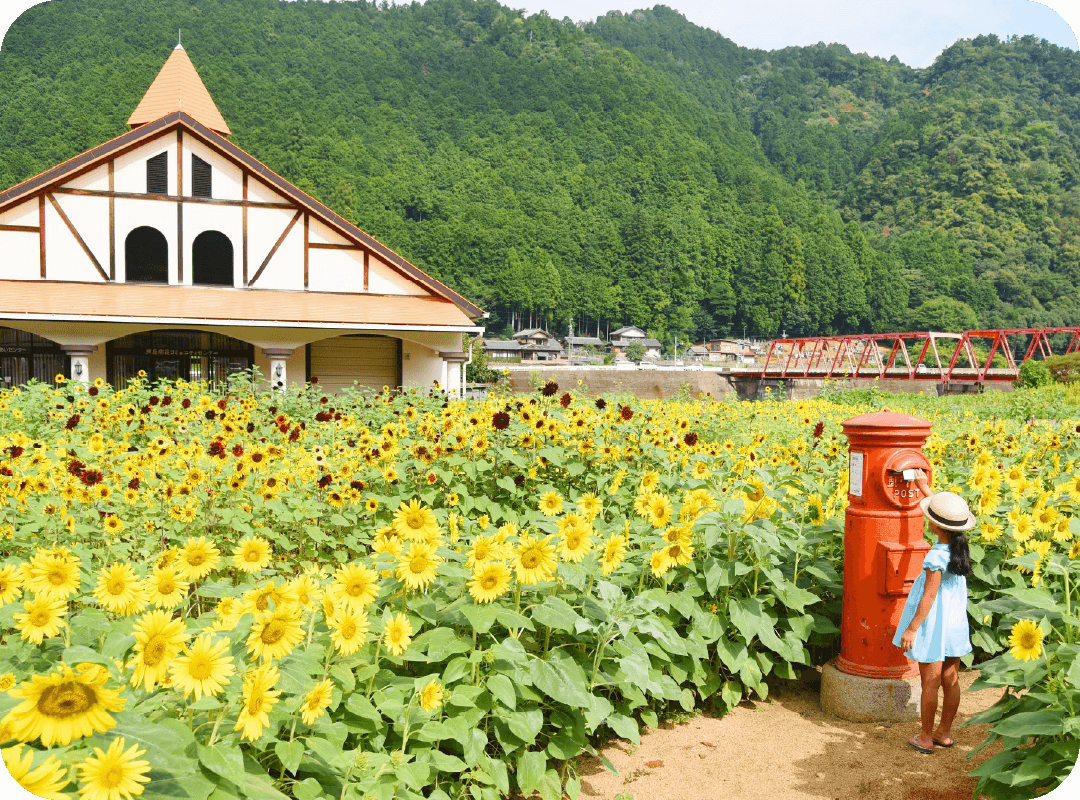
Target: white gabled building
{"type": "Point", "coordinates": [169, 249]}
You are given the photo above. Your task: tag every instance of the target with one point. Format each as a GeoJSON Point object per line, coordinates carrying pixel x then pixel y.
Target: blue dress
{"type": "Point", "coordinates": [944, 633]}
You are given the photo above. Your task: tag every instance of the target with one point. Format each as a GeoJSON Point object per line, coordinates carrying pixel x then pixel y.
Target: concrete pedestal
{"type": "Point", "coordinates": [859, 699]}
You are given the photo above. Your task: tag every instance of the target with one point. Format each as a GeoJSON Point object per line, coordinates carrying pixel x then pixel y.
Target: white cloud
{"type": "Point", "coordinates": [913, 30]}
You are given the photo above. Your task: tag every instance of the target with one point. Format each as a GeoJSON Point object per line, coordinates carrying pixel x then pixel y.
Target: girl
{"type": "Point", "coordinates": [933, 629]}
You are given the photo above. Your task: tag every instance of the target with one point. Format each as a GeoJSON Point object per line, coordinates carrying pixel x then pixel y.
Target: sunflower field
{"type": "Point", "coordinates": [228, 593]}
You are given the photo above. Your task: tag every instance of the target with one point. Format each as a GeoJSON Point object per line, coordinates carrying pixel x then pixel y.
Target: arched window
{"type": "Point", "coordinates": [212, 259]}
{"type": "Point", "coordinates": [146, 256]}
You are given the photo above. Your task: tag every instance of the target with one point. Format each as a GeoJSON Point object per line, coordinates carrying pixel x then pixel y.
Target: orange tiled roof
{"type": "Point", "coordinates": [126, 302]}
{"type": "Point", "coordinates": [178, 87]}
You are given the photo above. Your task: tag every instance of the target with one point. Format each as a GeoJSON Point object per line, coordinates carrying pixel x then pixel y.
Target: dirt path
{"type": "Point", "coordinates": [786, 749]}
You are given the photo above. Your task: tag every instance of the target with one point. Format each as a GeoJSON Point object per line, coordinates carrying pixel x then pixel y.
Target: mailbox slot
{"type": "Point", "coordinates": [900, 565]}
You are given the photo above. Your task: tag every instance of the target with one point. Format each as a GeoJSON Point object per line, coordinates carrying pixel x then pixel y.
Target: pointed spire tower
{"type": "Point", "coordinates": [178, 87]}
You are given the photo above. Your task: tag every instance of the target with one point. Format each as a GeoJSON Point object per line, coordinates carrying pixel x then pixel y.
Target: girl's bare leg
{"type": "Point", "coordinates": [950, 690]}
{"type": "Point", "coordinates": [931, 682]}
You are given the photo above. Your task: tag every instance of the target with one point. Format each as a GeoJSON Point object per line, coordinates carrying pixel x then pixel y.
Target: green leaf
{"type": "Point", "coordinates": [561, 679]}
{"type": "Point", "coordinates": [502, 689]}
{"type": "Point", "coordinates": [625, 727]}
{"type": "Point", "coordinates": [308, 789]}
{"type": "Point", "coordinates": [290, 754]}
{"type": "Point", "coordinates": [1048, 722]}
{"type": "Point", "coordinates": [556, 613]}
{"type": "Point", "coordinates": [525, 725]}
{"type": "Point", "coordinates": [530, 770]}
{"type": "Point", "coordinates": [481, 617]}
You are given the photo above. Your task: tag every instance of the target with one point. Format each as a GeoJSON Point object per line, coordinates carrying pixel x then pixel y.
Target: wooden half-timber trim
{"type": "Point", "coordinates": [172, 198]}
{"type": "Point", "coordinates": [112, 225]}
{"type": "Point", "coordinates": [306, 243]}
{"type": "Point", "coordinates": [78, 238]}
{"type": "Point", "coordinates": [243, 213]}
{"type": "Point", "coordinates": [180, 162]}
{"type": "Point", "coordinates": [367, 256]}
{"type": "Point", "coordinates": [41, 232]}
{"type": "Point", "coordinates": [335, 246]}
{"type": "Point", "coordinates": [274, 249]}
{"type": "Point", "coordinates": [20, 228]}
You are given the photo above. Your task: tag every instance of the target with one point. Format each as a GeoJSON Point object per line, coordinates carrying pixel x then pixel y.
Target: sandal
{"type": "Point", "coordinates": [927, 750]}
{"type": "Point", "coordinates": [942, 744]}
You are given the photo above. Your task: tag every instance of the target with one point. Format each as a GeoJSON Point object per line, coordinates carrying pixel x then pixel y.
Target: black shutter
{"type": "Point", "coordinates": [157, 174]}
{"type": "Point", "coordinates": [200, 177]}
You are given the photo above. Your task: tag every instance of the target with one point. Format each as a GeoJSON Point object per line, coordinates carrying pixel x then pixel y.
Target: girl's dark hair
{"type": "Point", "coordinates": [959, 557]}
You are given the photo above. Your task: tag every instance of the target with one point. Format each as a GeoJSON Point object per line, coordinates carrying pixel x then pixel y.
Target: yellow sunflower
{"type": "Point", "coordinates": [397, 635]}
{"type": "Point", "coordinates": [590, 506]}
{"type": "Point", "coordinates": [614, 552]}
{"type": "Point", "coordinates": [42, 619]}
{"type": "Point", "coordinates": [44, 781]}
{"type": "Point", "coordinates": [251, 554]}
{"type": "Point", "coordinates": [431, 697]}
{"type": "Point", "coordinates": [658, 510]}
{"type": "Point", "coordinates": [115, 774]}
{"type": "Point", "coordinates": [1026, 640]}
{"type": "Point", "coordinates": [355, 585]}
{"type": "Point", "coordinates": [534, 560]}
{"type": "Point", "coordinates": [316, 702]}
{"type": "Point", "coordinates": [551, 504]}
{"type": "Point", "coordinates": [198, 558]}
{"type": "Point", "coordinates": [63, 706]}
{"type": "Point", "coordinates": [348, 630]}
{"type": "Point", "coordinates": [575, 542]}
{"type": "Point", "coordinates": [418, 566]}
{"type": "Point", "coordinates": [9, 584]}
{"type": "Point", "coordinates": [415, 521]}
{"type": "Point", "coordinates": [259, 698]}
{"type": "Point", "coordinates": [659, 562]}
{"type": "Point", "coordinates": [158, 638]}
{"type": "Point", "coordinates": [120, 590]}
{"type": "Point", "coordinates": [274, 634]}
{"type": "Point", "coordinates": [166, 588]}
{"type": "Point", "coordinates": [204, 669]}
{"type": "Point", "coordinates": [54, 575]}
{"type": "Point", "coordinates": [1023, 527]}
{"type": "Point", "coordinates": [489, 581]}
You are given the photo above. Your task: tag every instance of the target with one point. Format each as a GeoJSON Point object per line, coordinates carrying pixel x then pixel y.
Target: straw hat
{"type": "Point", "coordinates": [948, 511]}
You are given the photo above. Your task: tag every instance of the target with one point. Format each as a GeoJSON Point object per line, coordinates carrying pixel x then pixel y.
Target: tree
{"type": "Point", "coordinates": [943, 314]}
{"type": "Point", "coordinates": [635, 351]}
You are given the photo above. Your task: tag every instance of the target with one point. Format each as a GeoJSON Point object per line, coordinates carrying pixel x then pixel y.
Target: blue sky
{"type": "Point", "coordinates": [915, 31]}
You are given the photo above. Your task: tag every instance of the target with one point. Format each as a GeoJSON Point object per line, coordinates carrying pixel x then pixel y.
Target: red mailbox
{"type": "Point", "coordinates": [883, 540]}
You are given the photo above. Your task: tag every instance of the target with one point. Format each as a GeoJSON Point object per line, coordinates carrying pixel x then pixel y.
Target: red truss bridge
{"type": "Point", "coordinates": [927, 356]}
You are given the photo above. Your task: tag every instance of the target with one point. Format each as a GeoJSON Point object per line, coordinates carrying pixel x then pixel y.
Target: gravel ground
{"type": "Point", "coordinates": [786, 748]}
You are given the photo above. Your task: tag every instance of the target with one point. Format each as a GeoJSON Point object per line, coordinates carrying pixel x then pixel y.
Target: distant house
{"type": "Point", "coordinates": [532, 336]}
{"type": "Point", "coordinates": [722, 351]}
{"type": "Point", "coordinates": [502, 349]}
{"type": "Point", "coordinates": [579, 346]}
{"type": "Point", "coordinates": [627, 335]}
{"type": "Point", "coordinates": [697, 352]}
{"type": "Point", "coordinates": [528, 348]}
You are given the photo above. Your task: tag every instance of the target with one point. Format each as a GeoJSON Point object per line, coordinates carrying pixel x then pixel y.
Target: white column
{"type": "Point", "coordinates": [79, 355]}
{"type": "Point", "coordinates": [279, 376]}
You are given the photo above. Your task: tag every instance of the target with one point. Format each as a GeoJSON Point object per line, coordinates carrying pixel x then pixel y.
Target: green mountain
{"type": "Point", "coordinates": [637, 169]}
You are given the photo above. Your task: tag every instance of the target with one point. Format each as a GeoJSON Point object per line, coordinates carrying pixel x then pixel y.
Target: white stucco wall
{"type": "Point", "coordinates": [420, 366]}
{"type": "Point", "coordinates": [129, 171]}
{"type": "Point", "coordinates": [295, 366]}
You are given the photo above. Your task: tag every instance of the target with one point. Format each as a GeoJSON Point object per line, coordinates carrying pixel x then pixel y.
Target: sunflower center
{"type": "Point", "coordinates": [114, 777]}
{"type": "Point", "coordinates": [255, 705]}
{"type": "Point", "coordinates": [56, 577]}
{"type": "Point", "coordinates": [166, 586]}
{"type": "Point", "coordinates": [355, 589]}
{"type": "Point", "coordinates": [1029, 639]}
{"type": "Point", "coordinates": [418, 564]}
{"type": "Point", "coordinates": [252, 556]}
{"type": "Point", "coordinates": [347, 629]}
{"type": "Point", "coordinates": [66, 700]}
{"type": "Point", "coordinates": [488, 582]}
{"type": "Point", "coordinates": [199, 667]}
{"type": "Point", "coordinates": [273, 632]}
{"type": "Point", "coordinates": [154, 652]}
{"type": "Point", "coordinates": [530, 559]}
{"type": "Point", "coordinates": [196, 559]}
{"type": "Point", "coordinates": [117, 586]}
{"type": "Point", "coordinates": [40, 617]}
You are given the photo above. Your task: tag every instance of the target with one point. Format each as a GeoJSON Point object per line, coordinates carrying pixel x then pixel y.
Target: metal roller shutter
{"type": "Point", "coordinates": [371, 361]}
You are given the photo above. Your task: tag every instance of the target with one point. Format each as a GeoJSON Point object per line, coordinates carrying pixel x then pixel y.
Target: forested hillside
{"type": "Point", "coordinates": [635, 169]}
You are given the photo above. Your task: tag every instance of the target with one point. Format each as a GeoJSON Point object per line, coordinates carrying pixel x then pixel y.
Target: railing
{"type": "Point", "coordinates": [887, 355]}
